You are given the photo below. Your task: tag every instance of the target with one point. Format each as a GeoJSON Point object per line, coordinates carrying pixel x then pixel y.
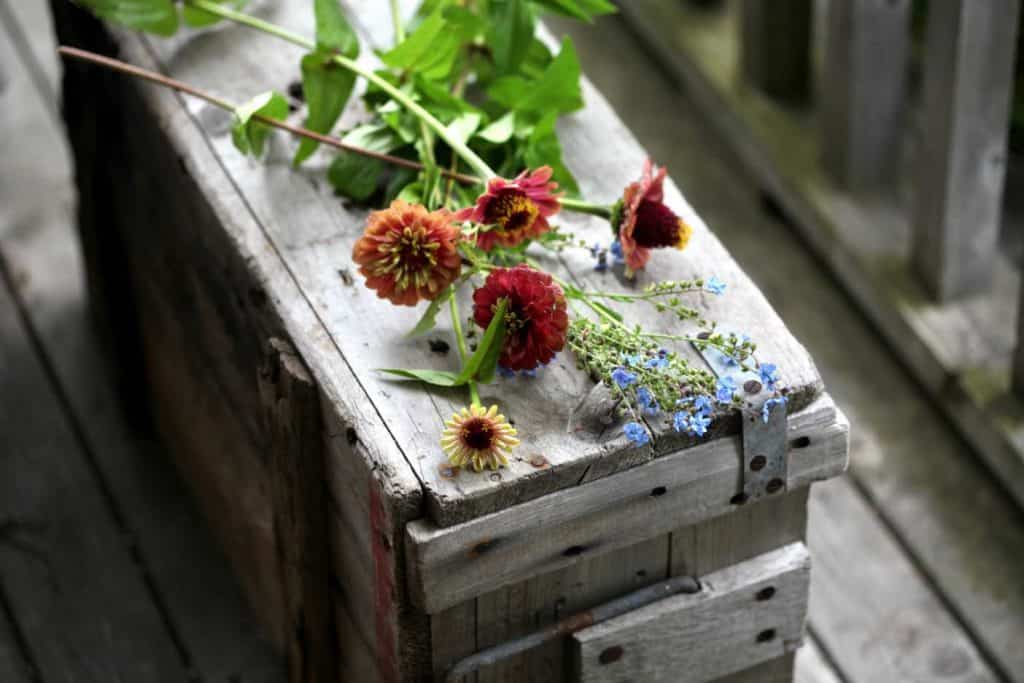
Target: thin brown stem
{"type": "Point", "coordinates": [160, 79]}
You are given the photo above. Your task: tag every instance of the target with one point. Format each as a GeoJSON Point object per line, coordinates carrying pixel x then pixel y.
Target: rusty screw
{"type": "Point", "coordinates": [774, 486]}
{"type": "Point", "coordinates": [539, 461]}
{"type": "Point", "coordinates": [448, 471]}
{"type": "Point", "coordinates": [758, 462]}
{"type": "Point", "coordinates": [752, 386]}
{"type": "Point", "coordinates": [610, 654]}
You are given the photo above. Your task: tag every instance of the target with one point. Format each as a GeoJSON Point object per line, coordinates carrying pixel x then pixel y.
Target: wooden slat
{"type": "Point", "coordinates": [880, 621]}
{"type": "Point", "coordinates": [66, 566]}
{"type": "Point", "coordinates": [187, 568]}
{"type": "Point", "coordinates": [297, 457]}
{"type": "Point", "coordinates": [744, 615]}
{"type": "Point", "coordinates": [968, 85]}
{"type": "Point", "coordinates": [961, 351]}
{"type": "Point", "coordinates": [863, 90]}
{"type": "Point", "coordinates": [452, 564]}
{"type": "Point", "coordinates": [776, 38]}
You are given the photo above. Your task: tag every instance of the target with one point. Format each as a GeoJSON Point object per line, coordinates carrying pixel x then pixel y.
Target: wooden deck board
{"type": "Point", "coordinates": [904, 456]}
{"type": "Point", "coordinates": [39, 245]}
{"type": "Point", "coordinates": [734, 213]}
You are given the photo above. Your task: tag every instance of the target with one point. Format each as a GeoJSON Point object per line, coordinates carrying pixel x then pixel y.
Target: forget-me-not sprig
{"type": "Point", "coordinates": [636, 433]}
{"type": "Point", "coordinates": [766, 409]}
{"type": "Point", "coordinates": [769, 375]}
{"type": "Point", "coordinates": [657, 363]}
{"type": "Point", "coordinates": [623, 377]}
{"type": "Point", "coordinates": [715, 286]}
{"type": "Point", "coordinates": [694, 424]}
{"type": "Point", "coordinates": [702, 405]}
{"type": "Point", "coordinates": [646, 401]}
{"type": "Point", "coordinates": [725, 389]}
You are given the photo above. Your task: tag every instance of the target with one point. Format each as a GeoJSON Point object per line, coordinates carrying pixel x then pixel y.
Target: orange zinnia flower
{"type": "Point", "coordinates": [514, 210]}
{"type": "Point", "coordinates": [408, 253]}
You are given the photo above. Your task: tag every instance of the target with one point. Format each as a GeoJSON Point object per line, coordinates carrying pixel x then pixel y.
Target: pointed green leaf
{"type": "Point", "coordinates": [558, 89]}
{"type": "Point", "coordinates": [198, 18]}
{"type": "Point", "coordinates": [511, 32]}
{"type": "Point", "coordinates": [543, 149]}
{"type": "Point", "coordinates": [153, 16]}
{"type": "Point", "coordinates": [464, 125]}
{"type": "Point", "coordinates": [333, 32]}
{"type": "Point", "coordinates": [499, 131]}
{"type": "Point", "coordinates": [356, 176]}
{"type": "Point", "coordinates": [248, 133]}
{"type": "Point", "coordinates": [429, 319]}
{"type": "Point", "coordinates": [584, 10]}
{"type": "Point", "coordinates": [485, 358]}
{"type": "Point", "coordinates": [439, 378]}
{"type": "Point", "coordinates": [327, 87]}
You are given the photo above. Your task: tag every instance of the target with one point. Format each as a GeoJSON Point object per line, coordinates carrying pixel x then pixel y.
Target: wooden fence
{"type": "Point", "coordinates": [881, 127]}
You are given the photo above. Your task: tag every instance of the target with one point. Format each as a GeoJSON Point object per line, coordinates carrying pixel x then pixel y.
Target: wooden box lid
{"type": "Point", "coordinates": [298, 238]}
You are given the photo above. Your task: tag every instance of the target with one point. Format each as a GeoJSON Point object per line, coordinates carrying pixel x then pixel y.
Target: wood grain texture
{"type": "Point", "coordinates": [881, 622]}
{"type": "Point", "coordinates": [749, 613]}
{"type": "Point", "coordinates": [66, 566]}
{"type": "Point", "coordinates": [292, 408]}
{"type": "Point", "coordinates": [863, 90]}
{"type": "Point", "coordinates": [960, 351]}
{"type": "Point", "coordinates": [968, 87]}
{"type": "Point", "coordinates": [452, 564]}
{"type": "Point", "coordinates": [203, 604]}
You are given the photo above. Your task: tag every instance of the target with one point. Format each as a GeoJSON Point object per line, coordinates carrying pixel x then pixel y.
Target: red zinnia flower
{"type": "Point", "coordinates": [407, 253]}
{"type": "Point", "coordinates": [514, 210]}
{"type": "Point", "coordinates": [535, 316]}
{"type": "Point", "coordinates": [646, 222]}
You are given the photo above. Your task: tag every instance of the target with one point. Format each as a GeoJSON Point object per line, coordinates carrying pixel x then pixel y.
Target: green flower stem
{"type": "Point", "coordinates": [580, 206]}
{"type": "Point", "coordinates": [460, 343]}
{"type": "Point", "coordinates": [396, 20]}
{"type": "Point", "coordinates": [478, 165]}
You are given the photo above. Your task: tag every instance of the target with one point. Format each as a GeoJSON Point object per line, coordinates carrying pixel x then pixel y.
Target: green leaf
{"type": "Point", "coordinates": [357, 176]}
{"type": "Point", "coordinates": [429, 318]}
{"type": "Point", "coordinates": [538, 57]}
{"type": "Point", "coordinates": [327, 87]}
{"type": "Point", "coordinates": [198, 18]}
{"type": "Point", "coordinates": [558, 89]}
{"type": "Point", "coordinates": [249, 134]}
{"type": "Point", "coordinates": [431, 50]}
{"type": "Point", "coordinates": [499, 131]}
{"type": "Point", "coordinates": [463, 127]}
{"type": "Point", "coordinates": [543, 149]}
{"type": "Point", "coordinates": [511, 32]}
{"type": "Point", "coordinates": [439, 378]}
{"type": "Point", "coordinates": [333, 32]}
{"type": "Point", "coordinates": [484, 360]}
{"type": "Point", "coordinates": [584, 10]}
{"type": "Point", "coordinates": [152, 16]}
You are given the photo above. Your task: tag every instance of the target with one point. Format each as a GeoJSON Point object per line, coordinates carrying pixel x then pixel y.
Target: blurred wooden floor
{"type": "Point", "coordinates": [108, 574]}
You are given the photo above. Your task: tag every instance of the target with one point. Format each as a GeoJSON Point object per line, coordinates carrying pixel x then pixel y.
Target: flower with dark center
{"type": "Point", "coordinates": [536, 320]}
{"type": "Point", "coordinates": [642, 221]}
{"type": "Point", "coordinates": [511, 211]}
{"type": "Point", "coordinates": [408, 253]}
{"type": "Point", "coordinates": [479, 437]}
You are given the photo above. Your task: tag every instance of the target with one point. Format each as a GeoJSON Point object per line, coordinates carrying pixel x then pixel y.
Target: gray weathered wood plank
{"type": "Point", "coordinates": [881, 622]}
{"type": "Point", "coordinates": [65, 563]}
{"type": "Point", "coordinates": [961, 165]}
{"type": "Point", "coordinates": [744, 615]}
{"type": "Point", "coordinates": [863, 90]}
{"type": "Point", "coordinates": [451, 564]}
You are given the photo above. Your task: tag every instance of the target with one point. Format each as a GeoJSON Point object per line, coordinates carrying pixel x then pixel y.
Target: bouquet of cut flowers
{"type": "Point", "coordinates": [460, 150]}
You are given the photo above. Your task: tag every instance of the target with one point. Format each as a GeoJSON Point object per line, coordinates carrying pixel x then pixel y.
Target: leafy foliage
{"type": "Point", "coordinates": [153, 16]}
{"type": "Point", "coordinates": [247, 132]}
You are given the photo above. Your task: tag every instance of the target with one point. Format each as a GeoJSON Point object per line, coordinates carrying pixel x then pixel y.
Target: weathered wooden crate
{"type": "Point", "coordinates": [226, 288]}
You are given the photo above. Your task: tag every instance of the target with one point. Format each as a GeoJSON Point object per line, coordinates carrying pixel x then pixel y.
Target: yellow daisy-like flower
{"type": "Point", "coordinates": [479, 437]}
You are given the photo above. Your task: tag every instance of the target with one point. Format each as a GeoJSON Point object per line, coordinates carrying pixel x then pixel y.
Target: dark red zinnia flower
{"type": "Point", "coordinates": [514, 210]}
{"type": "Point", "coordinates": [646, 222]}
{"type": "Point", "coordinates": [408, 253]}
{"type": "Point", "coordinates": [536, 317]}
